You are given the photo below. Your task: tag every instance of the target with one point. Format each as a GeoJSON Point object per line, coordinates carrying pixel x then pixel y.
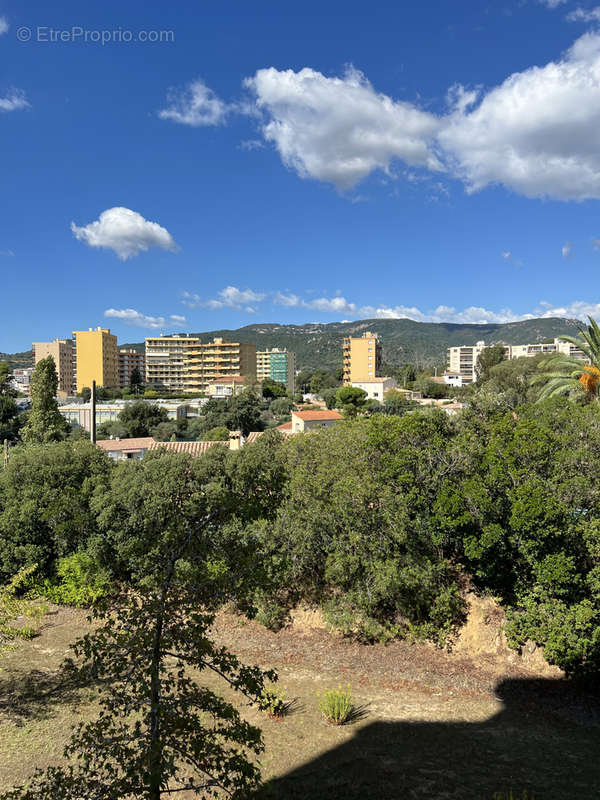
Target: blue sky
{"type": "Point", "coordinates": [439, 161]}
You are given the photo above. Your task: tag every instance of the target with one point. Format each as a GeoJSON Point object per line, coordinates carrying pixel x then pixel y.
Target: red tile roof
{"type": "Point", "coordinates": [125, 445]}
{"type": "Point", "coordinates": [193, 448]}
{"type": "Point", "coordinates": [253, 436]}
{"type": "Point", "coordinates": [285, 428]}
{"type": "Point", "coordinates": [308, 416]}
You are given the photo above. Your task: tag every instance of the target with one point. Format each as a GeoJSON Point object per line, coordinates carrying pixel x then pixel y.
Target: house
{"type": "Point", "coordinates": [305, 421]}
{"type": "Point", "coordinates": [226, 387]}
{"type": "Point", "coordinates": [123, 449]}
{"type": "Point", "coordinates": [375, 387]}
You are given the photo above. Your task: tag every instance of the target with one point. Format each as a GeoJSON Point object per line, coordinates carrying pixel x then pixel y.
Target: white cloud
{"type": "Point", "coordinates": [288, 300]}
{"type": "Point", "coordinates": [537, 133]}
{"type": "Point", "coordinates": [3, 25]}
{"type": "Point", "coordinates": [552, 3]}
{"type": "Point", "coordinates": [14, 101]}
{"type": "Point", "coordinates": [339, 130]}
{"type": "Point", "coordinates": [506, 255]}
{"type": "Point", "coordinates": [138, 320]}
{"type": "Point", "coordinates": [124, 231]}
{"type": "Point", "coordinates": [584, 15]}
{"type": "Point", "coordinates": [567, 250]}
{"type": "Point", "coordinates": [196, 105]}
{"type": "Point", "coordinates": [229, 297]}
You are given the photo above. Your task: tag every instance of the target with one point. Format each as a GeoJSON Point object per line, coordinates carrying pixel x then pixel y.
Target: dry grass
{"type": "Point", "coordinates": [434, 727]}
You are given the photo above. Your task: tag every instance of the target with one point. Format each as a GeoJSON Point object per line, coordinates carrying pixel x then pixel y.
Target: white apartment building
{"type": "Point", "coordinates": [462, 361]}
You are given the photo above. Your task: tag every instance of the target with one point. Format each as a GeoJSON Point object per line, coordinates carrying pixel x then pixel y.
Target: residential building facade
{"type": "Point", "coordinates": [21, 379]}
{"type": "Point", "coordinates": [226, 387]}
{"type": "Point", "coordinates": [362, 358]}
{"type": "Point", "coordinates": [96, 358]}
{"type": "Point", "coordinates": [376, 387]}
{"type": "Point", "coordinates": [62, 352]}
{"type": "Point", "coordinates": [462, 361]}
{"type": "Point", "coordinates": [305, 421]}
{"type": "Point", "coordinates": [130, 360]}
{"type": "Point", "coordinates": [206, 362]}
{"type": "Point", "coordinates": [166, 361]}
{"type": "Point", "coordinates": [278, 365]}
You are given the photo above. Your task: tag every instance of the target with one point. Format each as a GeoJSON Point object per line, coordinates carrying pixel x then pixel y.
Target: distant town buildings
{"type": "Point", "coordinates": [185, 364]}
{"type": "Point", "coordinates": [462, 361]}
{"type": "Point", "coordinates": [218, 359]}
{"type": "Point", "coordinates": [62, 352]}
{"type": "Point", "coordinates": [96, 358]}
{"type": "Point", "coordinates": [362, 358]}
{"type": "Point", "coordinates": [21, 379]}
{"type": "Point", "coordinates": [129, 361]}
{"type": "Point", "coordinates": [166, 361]}
{"type": "Point", "coordinates": [278, 365]}
{"type": "Point", "coordinates": [80, 414]}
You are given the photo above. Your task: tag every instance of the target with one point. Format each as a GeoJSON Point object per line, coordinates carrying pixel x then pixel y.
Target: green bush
{"type": "Point", "coordinates": [272, 701]}
{"type": "Point", "coordinates": [79, 581]}
{"type": "Point", "coordinates": [336, 705]}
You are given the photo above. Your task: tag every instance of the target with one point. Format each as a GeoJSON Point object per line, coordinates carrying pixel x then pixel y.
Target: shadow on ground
{"type": "Point", "coordinates": [24, 698]}
{"type": "Point", "coordinates": [545, 741]}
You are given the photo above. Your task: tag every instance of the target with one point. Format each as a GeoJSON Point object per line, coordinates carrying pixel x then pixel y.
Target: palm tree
{"type": "Point", "coordinates": [566, 375]}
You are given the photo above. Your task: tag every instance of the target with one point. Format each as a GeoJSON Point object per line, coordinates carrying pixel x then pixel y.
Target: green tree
{"type": "Point", "coordinates": [350, 399]}
{"type": "Point", "coordinates": [159, 730]}
{"type": "Point", "coordinates": [86, 394]}
{"type": "Point", "coordinates": [44, 510]}
{"type": "Point", "coordinates": [272, 389]}
{"type": "Point", "coordinates": [136, 382]}
{"type": "Point", "coordinates": [281, 407]}
{"type": "Point", "coordinates": [114, 429]}
{"type": "Point", "coordinates": [219, 434]}
{"type": "Point", "coordinates": [488, 358]}
{"type": "Point", "coordinates": [45, 422]}
{"type": "Point", "coordinates": [164, 431]}
{"type": "Point", "coordinates": [6, 383]}
{"type": "Point", "coordinates": [564, 375]}
{"type": "Point", "coordinates": [9, 419]}
{"type": "Point", "coordinates": [243, 412]}
{"type": "Point", "coordinates": [329, 396]}
{"type": "Point", "coordinates": [140, 418]}
{"type": "Point", "coordinates": [395, 402]}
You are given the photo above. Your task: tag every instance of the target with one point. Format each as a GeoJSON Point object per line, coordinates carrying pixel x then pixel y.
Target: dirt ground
{"type": "Point", "coordinates": [469, 723]}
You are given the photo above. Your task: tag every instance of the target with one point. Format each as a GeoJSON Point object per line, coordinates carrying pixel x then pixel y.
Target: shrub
{"type": "Point", "coordinates": [79, 581]}
{"type": "Point", "coordinates": [272, 701]}
{"type": "Point", "coordinates": [336, 705]}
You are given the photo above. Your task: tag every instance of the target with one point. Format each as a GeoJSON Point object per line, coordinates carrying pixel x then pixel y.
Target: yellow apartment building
{"type": "Point", "coordinates": [166, 360]}
{"type": "Point", "coordinates": [362, 358]}
{"type": "Point", "coordinates": [218, 359]}
{"type": "Point", "coordinates": [61, 351]}
{"type": "Point", "coordinates": [96, 358]}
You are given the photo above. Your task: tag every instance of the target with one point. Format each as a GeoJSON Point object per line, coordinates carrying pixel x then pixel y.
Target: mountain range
{"type": "Point", "coordinates": [404, 341]}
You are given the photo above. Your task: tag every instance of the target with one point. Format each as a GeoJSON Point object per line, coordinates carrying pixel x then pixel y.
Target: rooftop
{"type": "Point", "coordinates": [307, 416]}
{"type": "Point", "coordinates": [124, 445]}
{"type": "Point", "coordinates": [193, 448]}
